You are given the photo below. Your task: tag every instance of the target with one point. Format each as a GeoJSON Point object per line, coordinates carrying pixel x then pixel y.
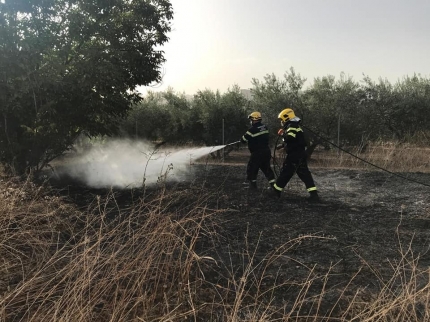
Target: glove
{"type": "Point", "coordinates": [279, 146]}
{"type": "Point", "coordinates": [281, 132]}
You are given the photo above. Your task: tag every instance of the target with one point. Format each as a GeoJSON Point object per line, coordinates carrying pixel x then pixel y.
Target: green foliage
{"type": "Point", "coordinates": [176, 119]}
{"type": "Point", "coordinates": [401, 111]}
{"type": "Point", "coordinates": [235, 114]}
{"type": "Point", "coordinates": [335, 109]}
{"type": "Point", "coordinates": [273, 95]}
{"type": "Point", "coordinates": [334, 105]}
{"type": "Point", "coordinates": [412, 110]}
{"type": "Point", "coordinates": [147, 119]}
{"type": "Point", "coordinates": [216, 109]}
{"type": "Point", "coordinates": [183, 123]}
{"type": "Point", "coordinates": [379, 102]}
{"type": "Point", "coordinates": [342, 108]}
{"type": "Point", "coordinates": [69, 67]}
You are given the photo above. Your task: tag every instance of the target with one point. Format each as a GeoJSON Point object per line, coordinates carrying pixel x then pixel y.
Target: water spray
{"type": "Point", "coordinates": [127, 163]}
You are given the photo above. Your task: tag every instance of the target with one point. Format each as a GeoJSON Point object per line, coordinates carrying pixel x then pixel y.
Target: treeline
{"type": "Point", "coordinates": [333, 109]}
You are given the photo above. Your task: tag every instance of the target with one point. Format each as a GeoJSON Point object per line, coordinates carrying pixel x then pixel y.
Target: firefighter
{"type": "Point", "coordinates": [296, 159]}
{"type": "Point", "coordinates": [257, 138]}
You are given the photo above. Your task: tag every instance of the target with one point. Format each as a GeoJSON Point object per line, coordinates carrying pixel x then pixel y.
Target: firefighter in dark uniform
{"type": "Point", "coordinates": [257, 138]}
{"type": "Point", "coordinates": [296, 159]}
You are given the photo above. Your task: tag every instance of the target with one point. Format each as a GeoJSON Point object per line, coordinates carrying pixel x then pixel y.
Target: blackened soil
{"type": "Point", "coordinates": [351, 244]}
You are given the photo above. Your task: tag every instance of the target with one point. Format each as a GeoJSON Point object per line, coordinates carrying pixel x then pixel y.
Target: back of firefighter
{"type": "Point", "coordinates": [257, 138]}
{"type": "Point", "coordinates": [294, 143]}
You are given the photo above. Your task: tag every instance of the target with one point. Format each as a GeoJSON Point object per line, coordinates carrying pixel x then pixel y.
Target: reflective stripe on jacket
{"type": "Point", "coordinates": [294, 138]}
{"type": "Point", "coordinates": [257, 137]}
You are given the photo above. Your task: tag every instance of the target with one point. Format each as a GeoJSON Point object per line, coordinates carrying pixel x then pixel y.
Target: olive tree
{"type": "Point", "coordinates": [218, 110]}
{"type": "Point", "coordinates": [412, 108]}
{"type": "Point", "coordinates": [270, 96]}
{"type": "Point", "coordinates": [148, 119]}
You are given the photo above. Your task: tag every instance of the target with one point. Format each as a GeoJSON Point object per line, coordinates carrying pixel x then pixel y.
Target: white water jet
{"type": "Point", "coordinates": [127, 164]}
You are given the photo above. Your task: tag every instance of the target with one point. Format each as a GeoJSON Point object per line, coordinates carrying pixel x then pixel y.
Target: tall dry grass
{"type": "Point", "coordinates": [146, 262]}
{"type": "Point", "coordinates": [395, 157]}
{"type": "Point", "coordinates": [62, 264]}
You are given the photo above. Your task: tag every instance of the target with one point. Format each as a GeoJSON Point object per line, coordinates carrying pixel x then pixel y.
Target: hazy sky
{"type": "Point", "coordinates": [215, 44]}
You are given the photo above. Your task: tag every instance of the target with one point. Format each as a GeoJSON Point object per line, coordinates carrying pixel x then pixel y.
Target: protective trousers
{"type": "Point", "coordinates": [295, 164]}
{"type": "Point", "coordinates": [260, 160]}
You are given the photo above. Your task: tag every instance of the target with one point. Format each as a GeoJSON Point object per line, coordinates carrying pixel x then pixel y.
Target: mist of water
{"type": "Point", "coordinates": [127, 164]}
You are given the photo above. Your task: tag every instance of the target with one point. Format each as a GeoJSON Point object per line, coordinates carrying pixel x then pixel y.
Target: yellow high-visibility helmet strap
{"type": "Point", "coordinates": [286, 115]}
{"type": "Point", "coordinates": [255, 116]}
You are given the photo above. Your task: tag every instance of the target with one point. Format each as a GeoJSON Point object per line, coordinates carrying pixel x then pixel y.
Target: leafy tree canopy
{"type": "Point", "coordinates": [69, 66]}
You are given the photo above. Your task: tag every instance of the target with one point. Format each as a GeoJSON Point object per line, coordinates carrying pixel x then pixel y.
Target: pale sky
{"type": "Point", "coordinates": [216, 44]}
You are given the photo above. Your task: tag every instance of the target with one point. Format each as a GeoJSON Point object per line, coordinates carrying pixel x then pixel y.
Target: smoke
{"type": "Point", "coordinates": [128, 164]}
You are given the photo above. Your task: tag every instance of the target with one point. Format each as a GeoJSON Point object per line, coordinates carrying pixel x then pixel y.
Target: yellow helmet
{"type": "Point", "coordinates": [255, 116]}
{"type": "Point", "coordinates": [286, 115]}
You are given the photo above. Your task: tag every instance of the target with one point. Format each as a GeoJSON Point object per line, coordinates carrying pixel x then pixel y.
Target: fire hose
{"type": "Point", "coordinates": [233, 143]}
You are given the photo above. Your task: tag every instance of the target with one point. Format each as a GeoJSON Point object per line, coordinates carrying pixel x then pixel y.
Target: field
{"type": "Point", "coordinates": [209, 249]}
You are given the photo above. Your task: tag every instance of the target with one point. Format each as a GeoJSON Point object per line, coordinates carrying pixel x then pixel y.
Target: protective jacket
{"type": "Point", "coordinates": [294, 138]}
{"type": "Point", "coordinates": [257, 137]}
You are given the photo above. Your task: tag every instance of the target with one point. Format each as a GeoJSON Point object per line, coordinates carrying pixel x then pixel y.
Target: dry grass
{"type": "Point", "coordinates": [143, 263]}
{"type": "Point", "coordinates": [390, 156]}
{"type": "Point", "coordinates": [60, 264]}
{"type": "Point", "coordinates": [395, 157]}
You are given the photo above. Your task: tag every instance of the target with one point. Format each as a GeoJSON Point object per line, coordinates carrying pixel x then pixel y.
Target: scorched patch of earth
{"type": "Point", "coordinates": [368, 225]}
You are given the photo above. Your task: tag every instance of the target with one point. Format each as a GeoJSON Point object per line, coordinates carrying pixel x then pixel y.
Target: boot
{"type": "Point", "coordinates": [253, 185]}
{"type": "Point", "coordinates": [274, 193]}
{"type": "Point", "coordinates": [313, 197]}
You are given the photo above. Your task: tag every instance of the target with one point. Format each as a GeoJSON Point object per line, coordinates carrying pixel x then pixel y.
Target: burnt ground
{"type": "Point", "coordinates": [367, 226]}
{"type": "Point", "coordinates": [370, 226]}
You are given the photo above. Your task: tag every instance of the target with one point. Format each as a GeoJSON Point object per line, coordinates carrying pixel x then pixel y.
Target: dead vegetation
{"type": "Point", "coordinates": [212, 251]}
{"type": "Point", "coordinates": [390, 156]}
